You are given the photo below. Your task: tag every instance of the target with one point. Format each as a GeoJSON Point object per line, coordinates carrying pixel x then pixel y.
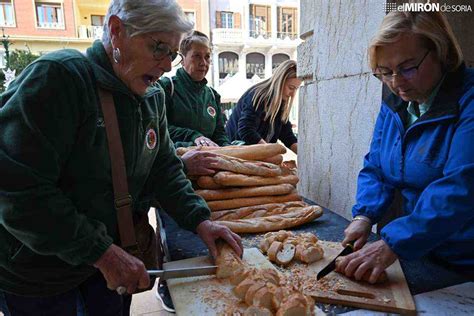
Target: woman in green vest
{"type": "Point", "coordinates": [193, 109]}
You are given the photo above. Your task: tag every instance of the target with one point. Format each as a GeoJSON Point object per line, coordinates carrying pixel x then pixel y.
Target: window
{"type": "Point", "coordinates": [277, 59]}
{"type": "Point", "coordinates": [260, 21]}
{"type": "Point", "coordinates": [255, 65]}
{"type": "Point", "coordinates": [227, 20]}
{"type": "Point", "coordinates": [97, 20]}
{"type": "Point", "coordinates": [286, 23]}
{"type": "Point", "coordinates": [49, 15]}
{"type": "Point", "coordinates": [191, 17]}
{"type": "Point", "coordinates": [6, 13]}
{"type": "Point", "coordinates": [228, 64]}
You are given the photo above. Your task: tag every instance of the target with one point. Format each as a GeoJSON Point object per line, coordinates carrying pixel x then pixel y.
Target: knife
{"type": "Point", "coordinates": [332, 265]}
{"type": "Point", "coordinates": [183, 272]}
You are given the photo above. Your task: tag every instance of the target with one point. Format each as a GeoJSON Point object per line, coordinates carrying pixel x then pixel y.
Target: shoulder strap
{"type": "Point", "coordinates": [123, 200]}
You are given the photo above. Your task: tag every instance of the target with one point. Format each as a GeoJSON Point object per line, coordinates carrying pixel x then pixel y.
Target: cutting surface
{"type": "Point", "coordinates": [207, 295]}
{"type": "Point", "coordinates": [391, 296]}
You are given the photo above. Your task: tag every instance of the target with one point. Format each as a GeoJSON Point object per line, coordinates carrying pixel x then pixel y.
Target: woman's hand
{"type": "Point", "coordinates": [294, 148]}
{"type": "Point", "coordinates": [357, 231]}
{"type": "Point", "coordinates": [210, 232]}
{"type": "Point", "coordinates": [199, 163]}
{"type": "Point", "coordinates": [375, 257]}
{"type": "Point", "coordinates": [204, 141]}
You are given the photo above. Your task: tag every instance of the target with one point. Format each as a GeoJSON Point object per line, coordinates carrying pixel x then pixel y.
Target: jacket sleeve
{"type": "Point", "coordinates": [39, 119]}
{"type": "Point", "coordinates": [445, 205]}
{"type": "Point", "coordinates": [185, 136]}
{"type": "Point", "coordinates": [220, 135]}
{"type": "Point", "coordinates": [286, 135]}
{"type": "Point", "coordinates": [374, 194]}
{"type": "Point", "coordinates": [247, 125]}
{"type": "Point", "coordinates": [172, 189]}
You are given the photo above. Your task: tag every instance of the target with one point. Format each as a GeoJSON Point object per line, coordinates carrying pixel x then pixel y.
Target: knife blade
{"type": "Point", "coordinates": [332, 265]}
{"type": "Point", "coordinates": [183, 272]}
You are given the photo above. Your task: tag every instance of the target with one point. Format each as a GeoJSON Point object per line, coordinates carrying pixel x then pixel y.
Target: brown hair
{"type": "Point", "coordinates": [195, 37]}
{"type": "Point", "coordinates": [432, 27]}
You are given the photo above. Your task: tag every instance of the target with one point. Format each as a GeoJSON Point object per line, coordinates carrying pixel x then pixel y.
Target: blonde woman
{"type": "Point", "coordinates": [262, 113]}
{"type": "Point", "coordinates": [422, 146]}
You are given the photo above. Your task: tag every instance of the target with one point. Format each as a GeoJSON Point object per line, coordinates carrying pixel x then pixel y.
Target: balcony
{"type": "Point", "coordinates": [7, 23]}
{"type": "Point", "coordinates": [260, 34]}
{"type": "Point", "coordinates": [90, 32]}
{"type": "Point", "coordinates": [227, 36]}
{"type": "Point", "coordinates": [51, 25]}
{"type": "Point", "coordinates": [287, 36]}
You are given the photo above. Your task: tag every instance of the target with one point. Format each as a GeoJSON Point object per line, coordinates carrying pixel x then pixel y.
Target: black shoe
{"type": "Point", "coordinates": [163, 294]}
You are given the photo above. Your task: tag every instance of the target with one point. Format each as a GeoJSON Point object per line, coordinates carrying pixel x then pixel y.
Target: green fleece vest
{"type": "Point", "coordinates": [57, 214]}
{"type": "Point", "coordinates": [193, 109]}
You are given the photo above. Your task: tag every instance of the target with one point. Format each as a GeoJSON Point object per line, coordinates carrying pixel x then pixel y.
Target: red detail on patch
{"type": "Point", "coordinates": [211, 111]}
{"type": "Point", "coordinates": [150, 139]}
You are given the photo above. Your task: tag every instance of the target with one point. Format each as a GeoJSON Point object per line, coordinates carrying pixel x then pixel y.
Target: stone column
{"type": "Point", "coordinates": [243, 64]}
{"type": "Point", "coordinates": [215, 67]}
{"type": "Point", "coordinates": [339, 101]}
{"type": "Point", "coordinates": [274, 21]}
{"type": "Point", "coordinates": [268, 63]}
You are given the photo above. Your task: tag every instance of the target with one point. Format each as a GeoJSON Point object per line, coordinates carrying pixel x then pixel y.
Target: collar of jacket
{"type": "Point", "coordinates": [445, 103]}
{"type": "Point", "coordinates": [105, 74]}
{"type": "Point", "coordinates": [188, 81]}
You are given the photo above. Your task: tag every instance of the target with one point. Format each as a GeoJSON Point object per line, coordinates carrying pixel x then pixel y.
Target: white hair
{"type": "Point", "coordinates": [146, 16]}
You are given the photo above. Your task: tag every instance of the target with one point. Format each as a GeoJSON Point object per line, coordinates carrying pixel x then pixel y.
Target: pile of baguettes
{"type": "Point", "coordinates": [254, 191]}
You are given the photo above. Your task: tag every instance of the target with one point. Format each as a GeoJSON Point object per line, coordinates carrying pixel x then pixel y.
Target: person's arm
{"type": "Point", "coordinates": [247, 125]}
{"type": "Point", "coordinates": [219, 136]}
{"type": "Point", "coordinates": [446, 205]}
{"type": "Point", "coordinates": [374, 193]}
{"type": "Point", "coordinates": [40, 116]}
{"type": "Point", "coordinates": [184, 136]}
{"type": "Point", "coordinates": [288, 137]}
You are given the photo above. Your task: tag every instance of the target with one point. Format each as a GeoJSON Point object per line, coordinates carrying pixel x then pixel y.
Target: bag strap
{"type": "Point", "coordinates": [122, 199]}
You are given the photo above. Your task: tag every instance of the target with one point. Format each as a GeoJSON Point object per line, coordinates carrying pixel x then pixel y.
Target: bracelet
{"type": "Point", "coordinates": [362, 218]}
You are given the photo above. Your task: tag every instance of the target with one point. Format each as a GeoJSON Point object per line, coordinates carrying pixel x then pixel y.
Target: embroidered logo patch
{"type": "Point", "coordinates": [211, 111]}
{"type": "Point", "coordinates": [150, 139]}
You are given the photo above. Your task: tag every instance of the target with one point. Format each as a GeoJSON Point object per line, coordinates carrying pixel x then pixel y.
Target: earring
{"type": "Point", "coordinates": [116, 55]}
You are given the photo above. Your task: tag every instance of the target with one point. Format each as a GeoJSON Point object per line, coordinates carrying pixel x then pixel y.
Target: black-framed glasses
{"type": "Point", "coordinates": [407, 73]}
{"type": "Point", "coordinates": [162, 50]}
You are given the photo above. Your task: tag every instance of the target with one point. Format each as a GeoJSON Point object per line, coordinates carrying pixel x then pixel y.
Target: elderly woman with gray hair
{"type": "Point", "coordinates": [59, 237]}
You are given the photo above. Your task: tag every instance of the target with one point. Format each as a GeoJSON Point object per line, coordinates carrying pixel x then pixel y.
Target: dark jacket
{"type": "Point", "coordinates": [57, 213]}
{"type": "Point", "coordinates": [432, 164]}
{"type": "Point", "coordinates": [193, 109]}
{"type": "Point", "coordinates": [247, 123]}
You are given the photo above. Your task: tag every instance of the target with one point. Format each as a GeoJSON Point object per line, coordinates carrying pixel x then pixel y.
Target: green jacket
{"type": "Point", "coordinates": [57, 213]}
{"type": "Point", "coordinates": [193, 109]}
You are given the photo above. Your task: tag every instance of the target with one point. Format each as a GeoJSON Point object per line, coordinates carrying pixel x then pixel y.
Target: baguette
{"type": "Point", "coordinates": [241, 202]}
{"type": "Point", "coordinates": [257, 211]}
{"type": "Point", "coordinates": [254, 168]}
{"type": "Point", "coordinates": [207, 182]}
{"type": "Point", "coordinates": [274, 222]}
{"type": "Point", "coordinates": [226, 178]}
{"type": "Point", "coordinates": [277, 160]}
{"type": "Point", "coordinates": [232, 193]}
{"type": "Point", "coordinates": [227, 261]}
{"type": "Point", "coordinates": [249, 152]}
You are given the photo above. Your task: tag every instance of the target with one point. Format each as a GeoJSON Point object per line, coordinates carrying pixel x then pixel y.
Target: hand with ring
{"type": "Point", "coordinates": [204, 141]}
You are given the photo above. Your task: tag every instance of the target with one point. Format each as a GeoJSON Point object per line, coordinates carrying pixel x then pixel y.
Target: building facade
{"type": "Point", "coordinates": [47, 25]}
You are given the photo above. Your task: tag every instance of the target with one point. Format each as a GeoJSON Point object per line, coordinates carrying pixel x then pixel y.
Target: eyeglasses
{"type": "Point", "coordinates": [162, 50]}
{"type": "Point", "coordinates": [407, 73]}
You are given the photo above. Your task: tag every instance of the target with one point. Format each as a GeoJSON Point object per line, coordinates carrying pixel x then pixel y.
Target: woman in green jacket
{"type": "Point", "coordinates": [193, 109]}
{"type": "Point", "coordinates": [59, 252]}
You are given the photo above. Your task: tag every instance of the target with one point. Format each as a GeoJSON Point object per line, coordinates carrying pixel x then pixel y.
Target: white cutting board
{"type": "Point", "coordinates": [207, 295]}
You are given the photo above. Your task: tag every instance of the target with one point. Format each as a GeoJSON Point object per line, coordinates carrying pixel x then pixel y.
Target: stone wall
{"type": "Point", "coordinates": [339, 100]}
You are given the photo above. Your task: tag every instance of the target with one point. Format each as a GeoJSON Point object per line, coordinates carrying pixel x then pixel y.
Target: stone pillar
{"type": "Point", "coordinates": [340, 99]}
{"type": "Point", "coordinates": [243, 64]}
{"type": "Point", "coordinates": [215, 67]}
{"type": "Point", "coordinates": [268, 64]}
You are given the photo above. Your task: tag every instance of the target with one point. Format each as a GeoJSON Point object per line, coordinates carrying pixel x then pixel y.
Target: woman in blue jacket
{"type": "Point", "coordinates": [262, 113]}
{"type": "Point", "coordinates": [423, 145]}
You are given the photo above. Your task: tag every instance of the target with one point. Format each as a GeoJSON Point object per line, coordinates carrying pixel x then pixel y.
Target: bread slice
{"type": "Point", "coordinates": [257, 311]}
{"type": "Point", "coordinates": [286, 254]}
{"type": "Point", "coordinates": [263, 298]}
{"type": "Point", "coordinates": [252, 290]}
{"type": "Point", "coordinates": [241, 289]}
{"type": "Point", "coordinates": [275, 247]}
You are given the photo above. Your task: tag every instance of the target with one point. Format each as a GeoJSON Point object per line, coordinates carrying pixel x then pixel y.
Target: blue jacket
{"type": "Point", "coordinates": [247, 123]}
{"type": "Point", "coordinates": [432, 164]}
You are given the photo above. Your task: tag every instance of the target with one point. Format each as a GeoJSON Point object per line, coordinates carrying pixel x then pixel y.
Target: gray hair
{"type": "Point", "coordinates": [146, 16]}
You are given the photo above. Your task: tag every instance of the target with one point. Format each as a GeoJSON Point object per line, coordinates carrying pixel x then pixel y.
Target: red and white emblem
{"type": "Point", "coordinates": [211, 111]}
{"type": "Point", "coordinates": [150, 139]}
